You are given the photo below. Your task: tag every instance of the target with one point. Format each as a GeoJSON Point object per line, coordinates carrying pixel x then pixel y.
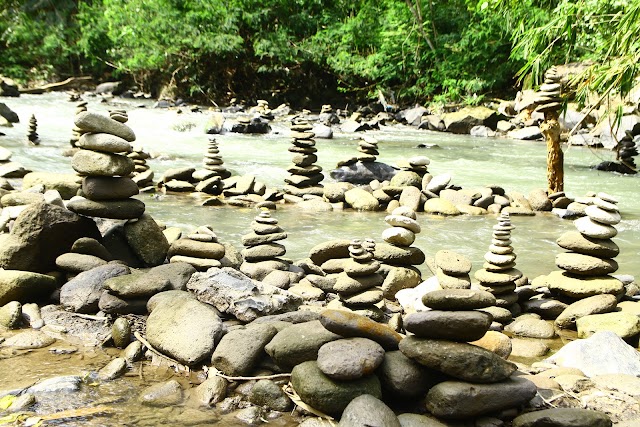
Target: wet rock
{"type": "Point", "coordinates": [68, 383]}
{"type": "Point", "coordinates": [327, 395]}
{"type": "Point", "coordinates": [121, 332]}
{"type": "Point", "coordinates": [114, 369]}
{"type": "Point", "coordinates": [241, 349]}
{"type": "Point", "coordinates": [184, 329]}
{"type": "Point", "coordinates": [11, 315]}
{"type": "Point", "coordinates": [459, 360]}
{"type": "Point", "coordinates": [349, 324]}
{"type": "Point", "coordinates": [268, 393]}
{"type": "Point", "coordinates": [460, 400]}
{"type": "Point", "coordinates": [82, 293]}
{"type": "Point", "coordinates": [24, 286]}
{"type": "Point", "coordinates": [29, 339]}
{"type": "Point", "coordinates": [163, 394]}
{"type": "Point", "coordinates": [402, 377]}
{"type": "Point", "coordinates": [299, 343]}
{"type": "Point", "coordinates": [563, 417]}
{"type": "Point", "coordinates": [368, 411]}
{"type": "Point", "coordinates": [211, 391]}
{"type": "Point", "coordinates": [362, 173]}
{"type": "Point", "coordinates": [528, 133]}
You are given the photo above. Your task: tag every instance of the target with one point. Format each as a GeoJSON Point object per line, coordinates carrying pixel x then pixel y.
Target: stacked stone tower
{"type": "Point", "coordinates": [452, 270]}
{"type": "Point", "coordinates": [549, 97]}
{"type": "Point", "coordinates": [76, 132]}
{"type": "Point", "coordinates": [105, 167]}
{"type": "Point", "coordinates": [499, 275]}
{"type": "Point", "coordinates": [417, 164]}
{"type": "Point", "coordinates": [142, 174]}
{"type": "Point", "coordinates": [627, 151]}
{"type": "Point", "coordinates": [305, 174]}
{"type": "Point", "coordinates": [262, 252]}
{"type": "Point", "coordinates": [369, 147]}
{"type": "Point", "coordinates": [213, 160]}
{"type": "Point", "coordinates": [32, 134]}
{"type": "Point", "coordinates": [590, 260]}
{"type": "Point", "coordinates": [200, 249]}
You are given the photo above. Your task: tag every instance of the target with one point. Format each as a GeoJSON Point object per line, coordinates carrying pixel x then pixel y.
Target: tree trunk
{"type": "Point", "coordinates": [555, 157]}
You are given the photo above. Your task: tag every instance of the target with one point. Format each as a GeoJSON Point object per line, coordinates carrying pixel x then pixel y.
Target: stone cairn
{"type": "Point", "coordinates": [499, 275]}
{"type": "Point", "coordinates": [201, 249]}
{"type": "Point", "coordinates": [105, 169]}
{"type": "Point", "coordinates": [213, 160]}
{"type": "Point", "coordinates": [627, 151]}
{"type": "Point", "coordinates": [358, 285]}
{"type": "Point", "coordinates": [416, 164]}
{"type": "Point", "coordinates": [76, 132]}
{"type": "Point", "coordinates": [32, 134]}
{"type": "Point", "coordinates": [142, 174]}
{"type": "Point", "coordinates": [368, 146]}
{"type": "Point", "coordinates": [398, 265]}
{"type": "Point", "coordinates": [548, 98]}
{"type": "Point", "coordinates": [261, 251]}
{"type": "Point", "coordinates": [305, 174]}
{"type": "Point", "coordinates": [588, 264]}
{"type": "Point", "coordinates": [452, 270]}
{"type": "Point", "coordinates": [440, 342]}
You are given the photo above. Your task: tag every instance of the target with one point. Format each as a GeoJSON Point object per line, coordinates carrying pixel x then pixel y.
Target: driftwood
{"type": "Point", "coordinates": [65, 84]}
{"type": "Point", "coordinates": [550, 128]}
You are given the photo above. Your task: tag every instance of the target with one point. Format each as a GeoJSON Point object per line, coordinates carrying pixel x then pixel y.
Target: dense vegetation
{"type": "Point", "coordinates": [307, 52]}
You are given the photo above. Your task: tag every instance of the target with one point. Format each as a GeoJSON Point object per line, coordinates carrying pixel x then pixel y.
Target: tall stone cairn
{"type": "Point", "coordinates": [201, 249]}
{"type": "Point", "coordinates": [32, 134]}
{"type": "Point", "coordinates": [499, 275]}
{"type": "Point", "coordinates": [261, 253]}
{"type": "Point", "coordinates": [76, 132]}
{"type": "Point", "coordinates": [358, 285]}
{"type": "Point", "coordinates": [399, 255]}
{"type": "Point", "coordinates": [213, 160]}
{"type": "Point", "coordinates": [627, 150]}
{"type": "Point", "coordinates": [305, 175]}
{"type": "Point", "coordinates": [549, 96]}
{"type": "Point", "coordinates": [103, 163]}
{"type": "Point", "coordinates": [586, 268]}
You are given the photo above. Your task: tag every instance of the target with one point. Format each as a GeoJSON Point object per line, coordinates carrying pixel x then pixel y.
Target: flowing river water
{"type": "Point", "coordinates": [178, 140]}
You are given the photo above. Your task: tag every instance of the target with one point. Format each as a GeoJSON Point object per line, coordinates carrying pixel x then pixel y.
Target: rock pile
{"type": "Point", "coordinates": [440, 343]}
{"type": "Point", "coordinates": [213, 160]}
{"type": "Point", "coordinates": [549, 99]}
{"type": "Point", "coordinates": [201, 249]}
{"type": "Point", "coordinates": [499, 275]}
{"type": "Point", "coordinates": [261, 253]}
{"type": "Point", "coordinates": [32, 134]}
{"type": "Point", "coordinates": [627, 151]}
{"type": "Point", "coordinates": [76, 132]}
{"type": "Point", "coordinates": [368, 146]}
{"type": "Point", "coordinates": [396, 254]}
{"type": "Point", "coordinates": [106, 184]}
{"type": "Point", "coordinates": [590, 260]}
{"type": "Point", "coordinates": [358, 286]}
{"type": "Point", "coordinates": [417, 164]}
{"type": "Point", "coordinates": [305, 174]}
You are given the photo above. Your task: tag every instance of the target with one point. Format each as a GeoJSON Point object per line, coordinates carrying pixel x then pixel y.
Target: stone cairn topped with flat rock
{"type": "Point", "coordinates": [103, 163]}
{"type": "Point", "coordinates": [201, 249]}
{"type": "Point", "coordinates": [586, 268]}
{"type": "Point", "coordinates": [261, 253]}
{"type": "Point", "coordinates": [396, 254]}
{"type": "Point", "coordinates": [76, 132]}
{"type": "Point", "coordinates": [358, 285]}
{"type": "Point", "coordinates": [32, 134]}
{"type": "Point", "coordinates": [305, 175]}
{"type": "Point", "coordinates": [548, 98]}
{"type": "Point", "coordinates": [368, 146]}
{"type": "Point", "coordinates": [440, 341]}
{"type": "Point", "coordinates": [499, 275]}
{"type": "Point", "coordinates": [452, 270]}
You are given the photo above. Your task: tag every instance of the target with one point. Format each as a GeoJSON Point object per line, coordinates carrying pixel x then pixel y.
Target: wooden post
{"type": "Point", "coordinates": [555, 157]}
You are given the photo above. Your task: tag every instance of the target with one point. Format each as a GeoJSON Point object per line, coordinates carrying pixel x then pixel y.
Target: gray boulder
{"type": "Point", "coordinates": [147, 241]}
{"type": "Point", "coordinates": [241, 349]}
{"type": "Point", "coordinates": [82, 293]}
{"type": "Point", "coordinates": [363, 173]}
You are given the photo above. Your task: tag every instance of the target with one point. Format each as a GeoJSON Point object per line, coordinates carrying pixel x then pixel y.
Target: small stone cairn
{"type": "Point", "coordinates": [305, 174]}
{"type": "Point", "coordinates": [368, 146]}
{"type": "Point", "coordinates": [213, 160]}
{"type": "Point", "coordinates": [627, 151]}
{"type": "Point", "coordinates": [452, 270]}
{"type": "Point", "coordinates": [76, 132]}
{"type": "Point", "coordinates": [417, 164]}
{"type": "Point", "coordinates": [548, 98]}
{"type": "Point", "coordinates": [588, 264]}
{"type": "Point", "coordinates": [499, 275]}
{"type": "Point", "coordinates": [142, 174]}
{"type": "Point", "coordinates": [261, 253]}
{"type": "Point", "coordinates": [105, 167]}
{"type": "Point", "coordinates": [358, 285]}
{"type": "Point", "coordinates": [397, 255]}
{"type": "Point", "coordinates": [32, 134]}
{"type": "Point", "coordinates": [201, 249]}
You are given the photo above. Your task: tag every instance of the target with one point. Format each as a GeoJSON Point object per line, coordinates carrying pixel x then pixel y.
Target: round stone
{"type": "Point", "coordinates": [505, 277]}
{"type": "Point", "coordinates": [607, 198]}
{"type": "Point", "coordinates": [501, 250]}
{"type": "Point", "coordinates": [403, 221]}
{"type": "Point", "coordinates": [357, 269]}
{"type": "Point", "coordinates": [602, 216]}
{"type": "Point", "coordinates": [590, 228]}
{"type": "Point", "coordinates": [108, 188]}
{"type": "Point", "coordinates": [104, 142]}
{"type": "Point", "coordinates": [499, 260]}
{"type": "Point", "coordinates": [603, 204]}
{"type": "Point", "coordinates": [398, 236]}
{"type": "Point", "coordinates": [350, 358]}
{"type": "Point", "coordinates": [458, 299]}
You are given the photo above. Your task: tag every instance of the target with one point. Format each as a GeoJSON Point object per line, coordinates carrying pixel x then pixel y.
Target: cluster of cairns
{"type": "Point", "coordinates": [200, 249]}
{"type": "Point", "coordinates": [498, 274]}
{"type": "Point", "coordinates": [305, 175]}
{"type": "Point", "coordinates": [262, 252]}
{"type": "Point", "coordinates": [76, 132]}
{"type": "Point", "coordinates": [32, 133]}
{"type": "Point", "coordinates": [359, 284]}
{"type": "Point", "coordinates": [103, 163]}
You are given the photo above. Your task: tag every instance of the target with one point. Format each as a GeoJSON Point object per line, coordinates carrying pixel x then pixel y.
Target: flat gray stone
{"type": "Point", "coordinates": [596, 304]}
{"type": "Point", "coordinates": [577, 242]}
{"type": "Point", "coordinates": [585, 265]}
{"type": "Point", "coordinates": [113, 209]}
{"type": "Point", "coordinates": [591, 228]}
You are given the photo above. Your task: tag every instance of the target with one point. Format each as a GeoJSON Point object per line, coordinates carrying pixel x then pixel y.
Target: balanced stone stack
{"type": "Point", "coordinates": [627, 151]}
{"type": "Point", "coordinates": [305, 174]}
{"type": "Point", "coordinates": [499, 275]}
{"type": "Point", "coordinates": [397, 255]}
{"type": "Point", "coordinates": [201, 249]}
{"type": "Point", "coordinates": [105, 169]}
{"type": "Point", "coordinates": [32, 134]}
{"type": "Point", "coordinates": [76, 132]}
{"type": "Point", "coordinates": [261, 250]}
{"type": "Point", "coordinates": [213, 160]}
{"type": "Point", "coordinates": [358, 286]}
{"type": "Point", "coordinates": [452, 270]}
{"type": "Point", "coordinates": [548, 98]}
{"type": "Point", "coordinates": [440, 341]}
{"type": "Point", "coordinates": [587, 265]}
{"type": "Point", "coordinates": [142, 174]}
{"type": "Point", "coordinates": [417, 164]}
{"type": "Point", "coordinates": [369, 147]}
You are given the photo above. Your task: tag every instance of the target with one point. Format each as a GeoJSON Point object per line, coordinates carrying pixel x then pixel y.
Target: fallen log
{"type": "Point", "coordinates": [65, 84]}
